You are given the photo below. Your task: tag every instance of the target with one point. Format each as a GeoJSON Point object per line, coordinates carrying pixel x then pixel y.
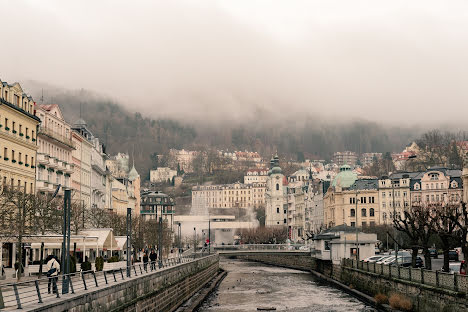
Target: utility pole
{"type": "Point", "coordinates": [160, 241]}
{"type": "Point", "coordinates": [357, 231]}
{"type": "Point", "coordinates": [194, 239]}
{"type": "Point", "coordinates": [180, 238]}
{"type": "Point", "coordinates": [129, 238]}
{"type": "Point", "coordinates": [394, 219]}
{"type": "Point", "coordinates": [66, 240]}
{"type": "Point", "coordinates": [209, 234]}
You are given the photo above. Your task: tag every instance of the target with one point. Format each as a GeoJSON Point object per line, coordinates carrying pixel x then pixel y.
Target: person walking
{"type": "Point", "coordinates": [145, 261]}
{"type": "Point", "coordinates": [53, 269]}
{"type": "Point", "coordinates": [153, 257]}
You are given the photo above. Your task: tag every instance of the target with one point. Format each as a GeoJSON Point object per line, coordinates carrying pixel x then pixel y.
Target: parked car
{"type": "Point", "coordinates": [373, 259]}
{"type": "Point", "coordinates": [455, 267]}
{"type": "Point", "coordinates": [382, 260]}
{"type": "Point", "coordinates": [453, 255]}
{"type": "Point", "coordinates": [433, 253]}
{"type": "Point", "coordinates": [408, 261]}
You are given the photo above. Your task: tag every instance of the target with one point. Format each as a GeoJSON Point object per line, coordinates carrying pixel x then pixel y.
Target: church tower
{"type": "Point", "coordinates": [275, 195]}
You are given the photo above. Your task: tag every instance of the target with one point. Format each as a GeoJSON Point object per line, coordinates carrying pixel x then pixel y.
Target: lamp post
{"type": "Point", "coordinates": [194, 239]}
{"type": "Point", "coordinates": [129, 238]}
{"type": "Point", "coordinates": [209, 234]}
{"type": "Point", "coordinates": [394, 220]}
{"type": "Point", "coordinates": [180, 238]}
{"type": "Point", "coordinates": [357, 231]}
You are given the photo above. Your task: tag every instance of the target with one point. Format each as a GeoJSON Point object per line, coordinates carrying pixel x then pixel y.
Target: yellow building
{"type": "Point", "coordinates": [18, 130]}
{"type": "Point", "coordinates": [350, 201]}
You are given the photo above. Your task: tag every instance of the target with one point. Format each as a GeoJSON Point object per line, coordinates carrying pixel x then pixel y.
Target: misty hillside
{"type": "Point", "coordinates": [125, 131]}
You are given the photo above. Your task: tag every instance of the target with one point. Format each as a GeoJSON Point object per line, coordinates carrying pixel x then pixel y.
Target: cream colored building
{"type": "Point", "coordinates": [162, 174]}
{"type": "Point", "coordinates": [257, 175]}
{"type": "Point", "coordinates": [237, 195]}
{"type": "Point", "coordinates": [394, 194]}
{"type": "Point", "coordinates": [437, 185]}
{"type": "Point", "coordinates": [184, 159]}
{"type": "Point", "coordinates": [18, 130]}
{"type": "Point", "coordinates": [55, 147]}
{"type": "Point", "coordinates": [125, 185]}
{"type": "Point", "coordinates": [81, 158]}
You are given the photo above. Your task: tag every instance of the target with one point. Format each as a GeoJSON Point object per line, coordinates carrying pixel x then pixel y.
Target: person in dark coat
{"type": "Point", "coordinates": [145, 261]}
{"type": "Point", "coordinates": [153, 257]}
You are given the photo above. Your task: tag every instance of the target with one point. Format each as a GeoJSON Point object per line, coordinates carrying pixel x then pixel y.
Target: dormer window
{"type": "Point", "coordinates": [417, 186]}
{"type": "Point", "coordinates": [434, 176]}
{"type": "Point", "coordinates": [454, 184]}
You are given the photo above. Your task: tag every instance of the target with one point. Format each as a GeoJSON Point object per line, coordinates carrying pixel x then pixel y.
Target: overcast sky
{"type": "Point", "coordinates": [389, 60]}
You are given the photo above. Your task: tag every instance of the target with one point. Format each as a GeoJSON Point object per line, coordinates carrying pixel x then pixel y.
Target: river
{"type": "Point", "coordinates": [252, 285]}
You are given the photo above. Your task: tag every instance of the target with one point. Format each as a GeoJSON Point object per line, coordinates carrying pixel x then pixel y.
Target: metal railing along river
{"type": "Point", "coordinates": [18, 295]}
{"type": "Point", "coordinates": [450, 281]}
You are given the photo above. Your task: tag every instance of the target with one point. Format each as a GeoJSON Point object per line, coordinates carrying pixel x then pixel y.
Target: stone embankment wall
{"type": "Point", "coordinates": [423, 297]}
{"type": "Point", "coordinates": [161, 291]}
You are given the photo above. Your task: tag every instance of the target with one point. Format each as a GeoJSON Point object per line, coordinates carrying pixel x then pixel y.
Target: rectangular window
{"type": "Point", "coordinates": [12, 155]}
{"type": "Point", "coordinates": [277, 209]}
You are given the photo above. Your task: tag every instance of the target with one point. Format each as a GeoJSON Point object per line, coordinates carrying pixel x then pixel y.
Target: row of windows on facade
{"type": "Point", "coordinates": [397, 215]}
{"type": "Point", "coordinates": [50, 177]}
{"type": "Point", "coordinates": [363, 212]}
{"type": "Point", "coordinates": [23, 186]}
{"type": "Point", "coordinates": [396, 194]}
{"type": "Point", "coordinates": [435, 186]}
{"type": "Point", "coordinates": [54, 151]}
{"type": "Point", "coordinates": [363, 200]}
{"type": "Point", "coordinates": [24, 105]}
{"type": "Point", "coordinates": [229, 192]}
{"type": "Point", "coordinates": [20, 159]}
{"type": "Point", "coordinates": [364, 223]}
{"type": "Point", "coordinates": [18, 130]}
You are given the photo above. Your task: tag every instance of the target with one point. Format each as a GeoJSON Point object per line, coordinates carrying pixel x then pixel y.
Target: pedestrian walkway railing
{"type": "Point", "coordinates": [272, 247]}
{"type": "Point", "coordinates": [450, 281]}
{"type": "Point", "coordinates": [17, 295]}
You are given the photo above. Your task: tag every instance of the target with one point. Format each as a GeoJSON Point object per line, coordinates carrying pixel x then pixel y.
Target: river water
{"type": "Point", "coordinates": [252, 285]}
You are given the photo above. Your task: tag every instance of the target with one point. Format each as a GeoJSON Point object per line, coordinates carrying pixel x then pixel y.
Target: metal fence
{"type": "Point", "coordinates": [450, 281]}
{"type": "Point", "coordinates": [16, 295]}
{"type": "Point", "coordinates": [291, 247]}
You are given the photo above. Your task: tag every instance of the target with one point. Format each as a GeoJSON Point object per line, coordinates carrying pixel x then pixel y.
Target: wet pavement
{"type": "Point", "coordinates": [250, 285]}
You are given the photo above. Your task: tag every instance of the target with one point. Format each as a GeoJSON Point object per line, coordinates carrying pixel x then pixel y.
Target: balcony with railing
{"type": "Point", "coordinates": [69, 168]}
{"type": "Point", "coordinates": [56, 136]}
{"type": "Point", "coordinates": [53, 162]}
{"type": "Point", "coordinates": [42, 159]}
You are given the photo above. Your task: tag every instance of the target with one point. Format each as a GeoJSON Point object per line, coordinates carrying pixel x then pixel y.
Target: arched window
{"type": "Point", "coordinates": [277, 186]}
{"type": "Point", "coordinates": [371, 212]}
{"type": "Point", "coordinates": [384, 216]}
{"type": "Point", "coordinates": [363, 212]}
{"type": "Point", "coordinates": [353, 213]}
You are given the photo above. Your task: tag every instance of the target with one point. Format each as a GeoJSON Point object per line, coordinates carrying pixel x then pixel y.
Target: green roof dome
{"type": "Point", "coordinates": [345, 178]}
{"type": "Point", "coordinates": [276, 170]}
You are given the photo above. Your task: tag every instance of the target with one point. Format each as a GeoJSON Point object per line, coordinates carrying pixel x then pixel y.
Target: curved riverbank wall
{"type": "Point", "coordinates": [164, 290]}
{"type": "Point", "coordinates": [371, 281]}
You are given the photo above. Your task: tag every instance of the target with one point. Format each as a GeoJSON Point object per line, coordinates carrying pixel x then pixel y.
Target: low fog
{"type": "Point", "coordinates": [395, 61]}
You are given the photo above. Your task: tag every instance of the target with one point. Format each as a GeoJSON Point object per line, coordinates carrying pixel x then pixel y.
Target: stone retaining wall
{"type": "Point", "coordinates": [161, 291]}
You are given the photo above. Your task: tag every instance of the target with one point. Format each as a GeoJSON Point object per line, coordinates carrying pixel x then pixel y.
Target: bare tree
{"type": "Point", "coordinates": [47, 218]}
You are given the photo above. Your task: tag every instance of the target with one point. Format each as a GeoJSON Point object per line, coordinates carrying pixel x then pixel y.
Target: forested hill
{"type": "Point", "coordinates": [124, 131]}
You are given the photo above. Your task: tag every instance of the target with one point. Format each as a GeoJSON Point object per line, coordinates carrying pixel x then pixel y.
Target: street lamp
{"type": "Point", "coordinates": [356, 225]}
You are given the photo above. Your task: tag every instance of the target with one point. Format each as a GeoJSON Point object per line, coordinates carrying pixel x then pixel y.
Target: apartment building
{"type": "Point", "coordinates": [55, 147]}
{"type": "Point", "coordinates": [18, 135]}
